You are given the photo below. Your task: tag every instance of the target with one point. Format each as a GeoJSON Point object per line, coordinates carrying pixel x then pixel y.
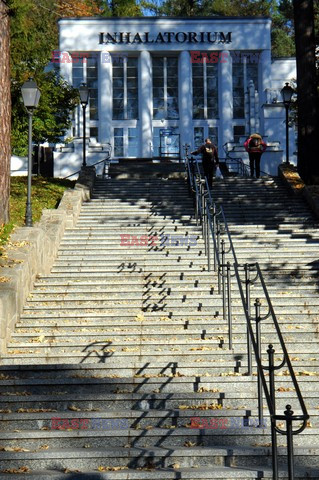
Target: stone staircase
{"type": "Point", "coordinates": [122, 345]}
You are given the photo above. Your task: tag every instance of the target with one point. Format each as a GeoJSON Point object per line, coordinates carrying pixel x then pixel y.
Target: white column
{"type": "Point", "coordinates": [66, 73]}
{"type": "Point", "coordinates": [264, 77]}
{"type": "Point", "coordinates": [145, 104]}
{"type": "Point", "coordinates": [225, 101]}
{"type": "Point", "coordinates": [105, 97]}
{"type": "Point", "coordinates": [185, 100]}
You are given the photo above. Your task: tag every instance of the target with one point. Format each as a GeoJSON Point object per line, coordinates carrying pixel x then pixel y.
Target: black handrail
{"type": "Point", "coordinates": [242, 168]}
{"type": "Point", "coordinates": [255, 339]}
{"type": "Point", "coordinates": [96, 163]}
{"type": "Point", "coordinates": [204, 205]}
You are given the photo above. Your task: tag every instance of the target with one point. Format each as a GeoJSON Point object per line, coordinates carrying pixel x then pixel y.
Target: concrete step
{"type": "Point", "coordinates": [152, 256]}
{"type": "Point", "coordinates": [100, 351]}
{"type": "Point", "coordinates": [77, 288]}
{"type": "Point", "coordinates": [226, 361]}
{"type": "Point", "coordinates": [154, 294]}
{"type": "Point", "coordinates": [127, 319]}
{"type": "Point", "coordinates": [187, 473]}
{"type": "Point", "coordinates": [152, 383]}
{"type": "Point", "coordinates": [148, 438]}
{"type": "Point", "coordinates": [79, 337]}
{"type": "Point", "coordinates": [193, 401]}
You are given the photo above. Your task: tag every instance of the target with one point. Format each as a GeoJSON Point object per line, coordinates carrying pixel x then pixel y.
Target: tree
{"type": "Point", "coordinates": [282, 37]}
{"type": "Point", "coordinates": [34, 35]}
{"type": "Point", "coordinates": [79, 8]}
{"type": "Point", "coordinates": [307, 92]}
{"type": "Point", "coordinates": [51, 118]}
{"type": "Point", "coordinates": [5, 112]}
{"type": "Point", "coordinates": [122, 8]}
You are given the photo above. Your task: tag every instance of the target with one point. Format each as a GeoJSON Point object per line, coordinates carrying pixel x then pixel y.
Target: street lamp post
{"type": "Point", "coordinates": [287, 93]}
{"type": "Point", "coordinates": [84, 98]}
{"type": "Point", "coordinates": [31, 96]}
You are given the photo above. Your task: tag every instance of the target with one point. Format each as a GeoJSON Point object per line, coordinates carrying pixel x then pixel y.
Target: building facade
{"type": "Point", "coordinates": [157, 84]}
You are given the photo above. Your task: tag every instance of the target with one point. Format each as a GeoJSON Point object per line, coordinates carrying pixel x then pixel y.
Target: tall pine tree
{"type": "Point", "coordinates": [307, 91]}
{"type": "Point", "coordinates": [5, 112]}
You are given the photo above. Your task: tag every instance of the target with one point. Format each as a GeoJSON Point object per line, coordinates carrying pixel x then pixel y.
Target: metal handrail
{"type": "Point", "coordinates": [96, 163]}
{"type": "Point", "coordinates": [206, 204]}
{"type": "Point", "coordinates": [255, 339]}
{"type": "Point", "coordinates": [243, 168]}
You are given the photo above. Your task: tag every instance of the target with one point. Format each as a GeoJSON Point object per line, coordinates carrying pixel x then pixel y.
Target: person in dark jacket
{"type": "Point", "coordinates": [255, 146]}
{"type": "Point", "coordinates": [210, 159]}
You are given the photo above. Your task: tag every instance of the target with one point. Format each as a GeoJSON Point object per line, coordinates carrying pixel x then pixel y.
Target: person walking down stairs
{"type": "Point", "coordinates": [255, 146]}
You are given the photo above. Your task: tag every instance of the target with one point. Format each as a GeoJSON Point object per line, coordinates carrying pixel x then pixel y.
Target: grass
{"type": "Point", "coordinates": [46, 193]}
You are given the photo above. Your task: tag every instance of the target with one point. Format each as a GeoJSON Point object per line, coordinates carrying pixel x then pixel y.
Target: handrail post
{"type": "Point", "coordinates": [258, 341]}
{"type": "Point", "coordinates": [218, 234]}
{"type": "Point", "coordinates": [202, 190]}
{"type": "Point", "coordinates": [196, 200]}
{"type": "Point", "coordinates": [208, 237]}
{"type": "Point", "coordinates": [247, 291]}
{"type": "Point", "coordinates": [217, 255]}
{"type": "Point", "coordinates": [271, 353]}
{"type": "Point", "coordinates": [290, 448]}
{"type": "Point", "coordinates": [214, 233]}
{"type": "Point", "coordinates": [205, 221]}
{"type": "Point", "coordinates": [223, 279]}
{"type": "Point", "coordinates": [229, 309]}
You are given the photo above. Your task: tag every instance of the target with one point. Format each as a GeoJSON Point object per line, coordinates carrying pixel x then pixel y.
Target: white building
{"type": "Point", "coordinates": [157, 84]}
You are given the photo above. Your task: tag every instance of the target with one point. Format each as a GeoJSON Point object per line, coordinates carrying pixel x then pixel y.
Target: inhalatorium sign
{"type": "Point", "coordinates": [164, 37]}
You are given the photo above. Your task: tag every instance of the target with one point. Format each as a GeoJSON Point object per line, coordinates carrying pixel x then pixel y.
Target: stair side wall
{"type": "Point", "coordinates": [32, 251]}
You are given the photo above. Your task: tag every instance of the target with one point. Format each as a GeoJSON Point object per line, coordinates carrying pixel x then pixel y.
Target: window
{"type": "Point", "coordinates": [132, 142]}
{"type": "Point", "coordinates": [239, 131]}
{"type": "Point", "coordinates": [85, 70]}
{"type": "Point", "coordinates": [165, 145]}
{"type": "Point", "coordinates": [92, 83]}
{"type": "Point", "coordinates": [125, 89]}
{"type": "Point", "coordinates": [118, 142]}
{"type": "Point", "coordinates": [94, 132]}
{"type": "Point", "coordinates": [205, 90]}
{"type": "Point", "coordinates": [213, 135]}
{"type": "Point", "coordinates": [245, 68]}
{"type": "Point", "coordinates": [165, 88]}
{"type": "Point", "coordinates": [200, 133]}
{"type": "Point", "coordinates": [198, 136]}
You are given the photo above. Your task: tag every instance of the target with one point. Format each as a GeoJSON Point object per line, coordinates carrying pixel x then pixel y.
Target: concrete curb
{"type": "Point", "coordinates": [305, 190]}
{"type": "Point", "coordinates": [32, 251]}
{"type": "Point", "coordinates": [312, 200]}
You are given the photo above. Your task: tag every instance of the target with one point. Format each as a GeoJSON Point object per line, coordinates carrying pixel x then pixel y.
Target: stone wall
{"type": "Point", "coordinates": [32, 250]}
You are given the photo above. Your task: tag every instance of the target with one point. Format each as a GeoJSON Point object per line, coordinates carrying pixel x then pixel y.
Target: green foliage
{"type": "Point", "coordinates": [52, 117]}
{"type": "Point", "coordinates": [34, 35]}
{"type": "Point", "coordinates": [216, 7]}
{"type": "Point", "coordinates": [283, 44]}
{"type": "Point", "coordinates": [46, 193]}
{"type": "Point", "coordinates": [125, 8]}
{"type": "Point", "coordinates": [281, 14]}
{"type": "Point", "coordinates": [122, 8]}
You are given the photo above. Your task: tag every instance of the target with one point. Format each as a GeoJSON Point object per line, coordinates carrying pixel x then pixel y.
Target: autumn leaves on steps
{"type": "Point", "coordinates": [125, 337]}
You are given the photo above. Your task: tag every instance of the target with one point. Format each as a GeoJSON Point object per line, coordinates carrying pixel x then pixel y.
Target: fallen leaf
{"type": "Point", "coordinates": [17, 470]}
{"type": "Point", "coordinates": [189, 444]}
{"type": "Point", "coordinates": [73, 408]}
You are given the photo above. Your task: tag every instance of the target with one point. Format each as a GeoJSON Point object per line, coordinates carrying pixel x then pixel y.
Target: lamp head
{"type": "Point", "coordinates": [287, 93]}
{"type": "Point", "coordinates": [84, 94]}
{"type": "Point", "coordinates": [30, 94]}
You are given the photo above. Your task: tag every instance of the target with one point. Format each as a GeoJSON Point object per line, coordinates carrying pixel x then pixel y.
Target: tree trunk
{"type": "Point", "coordinates": [307, 97]}
{"type": "Point", "coordinates": [5, 113]}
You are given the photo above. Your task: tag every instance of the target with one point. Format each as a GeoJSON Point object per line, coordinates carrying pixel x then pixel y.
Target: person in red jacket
{"type": "Point", "coordinates": [210, 160]}
{"type": "Point", "coordinates": [255, 146]}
